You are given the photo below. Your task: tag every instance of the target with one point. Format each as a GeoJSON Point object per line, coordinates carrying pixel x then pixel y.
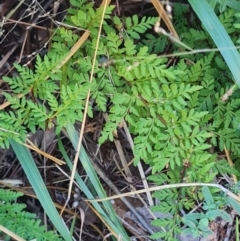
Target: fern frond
{"type": "Point", "coordinates": [227, 18]}
{"type": "Point", "coordinates": [222, 167]}
{"type": "Point", "coordinates": [20, 222]}
{"type": "Point", "coordinates": [122, 103]}
{"type": "Point", "coordinates": [8, 195]}
{"type": "Point", "coordinates": [155, 44]}
{"type": "Point", "coordinates": [134, 26]}
{"type": "Point", "coordinates": [227, 137]}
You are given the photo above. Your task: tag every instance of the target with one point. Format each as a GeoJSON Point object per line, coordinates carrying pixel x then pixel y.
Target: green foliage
{"type": "Point", "coordinates": [156, 44]}
{"type": "Point", "coordinates": [175, 113]}
{"type": "Point", "coordinates": [223, 4]}
{"type": "Point", "coordinates": [24, 224]}
{"type": "Point", "coordinates": [134, 26]}
{"type": "Point", "coordinates": [8, 195]}
{"type": "Point", "coordinates": [198, 223]}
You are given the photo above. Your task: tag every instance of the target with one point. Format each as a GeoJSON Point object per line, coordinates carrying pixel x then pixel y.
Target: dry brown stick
{"type": "Point", "coordinates": [140, 168]}
{"type": "Point", "coordinates": [107, 180]}
{"type": "Point", "coordinates": [168, 186]}
{"type": "Point", "coordinates": [121, 154]}
{"type": "Point", "coordinates": [6, 57]}
{"type": "Point", "coordinates": [230, 163]}
{"type": "Point", "coordinates": [104, 4]}
{"type": "Point", "coordinates": [33, 147]}
{"type": "Point", "coordinates": [73, 50]}
{"type": "Point", "coordinates": [33, 25]}
{"type": "Point", "coordinates": [56, 5]}
{"type": "Point", "coordinates": [11, 234]}
{"type": "Point", "coordinates": [162, 13]}
{"type": "Point", "coordinates": [57, 205]}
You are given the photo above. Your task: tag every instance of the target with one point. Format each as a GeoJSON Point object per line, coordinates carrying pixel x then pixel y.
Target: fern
{"type": "Point", "coordinates": [227, 18]}
{"type": "Point", "coordinates": [156, 44]}
{"type": "Point", "coordinates": [181, 23]}
{"type": "Point", "coordinates": [134, 27]}
{"type": "Point", "coordinates": [175, 113]}
{"type": "Point", "coordinates": [24, 224]}
{"type": "Point", "coordinates": [222, 168]}
{"type": "Point", "coordinates": [8, 195]}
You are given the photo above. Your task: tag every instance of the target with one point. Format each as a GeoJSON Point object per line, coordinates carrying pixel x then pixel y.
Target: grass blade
{"type": "Point", "coordinates": [30, 169]}
{"type": "Point", "coordinates": [110, 215]}
{"type": "Point", "coordinates": [219, 35]}
{"type": "Point", "coordinates": [86, 190]}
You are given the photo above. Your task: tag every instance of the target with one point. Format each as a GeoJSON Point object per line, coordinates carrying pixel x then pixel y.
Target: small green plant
{"type": "Point", "coordinates": [198, 223]}
{"type": "Point", "coordinates": [176, 113]}
{"type": "Point", "coordinates": [24, 224]}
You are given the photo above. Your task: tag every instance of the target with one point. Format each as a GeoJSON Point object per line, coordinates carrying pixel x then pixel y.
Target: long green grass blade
{"type": "Point", "coordinates": [80, 182]}
{"type": "Point", "coordinates": [30, 169]}
{"type": "Point", "coordinates": [111, 217]}
{"type": "Point", "coordinates": [219, 35]}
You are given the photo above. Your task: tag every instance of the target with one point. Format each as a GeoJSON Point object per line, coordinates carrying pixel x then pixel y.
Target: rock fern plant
{"type": "Point", "coordinates": [22, 223]}
{"type": "Point", "coordinates": [176, 113]}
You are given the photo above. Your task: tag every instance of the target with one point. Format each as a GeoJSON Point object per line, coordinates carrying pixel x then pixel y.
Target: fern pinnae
{"type": "Point", "coordinates": [22, 223]}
